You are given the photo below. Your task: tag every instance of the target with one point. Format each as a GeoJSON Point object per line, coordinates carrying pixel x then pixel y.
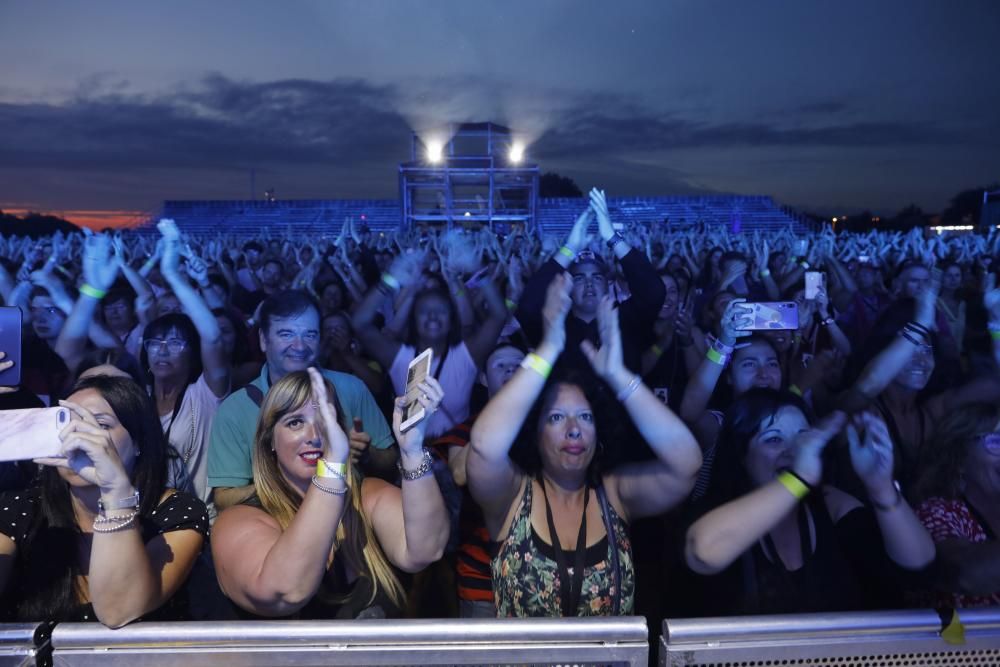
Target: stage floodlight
{"type": "Point", "coordinates": [516, 153]}
{"type": "Point", "coordinates": [435, 152]}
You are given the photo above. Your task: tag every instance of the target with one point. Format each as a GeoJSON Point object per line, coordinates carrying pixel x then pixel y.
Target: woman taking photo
{"type": "Point", "coordinates": [775, 541]}
{"type": "Point", "coordinates": [315, 541]}
{"type": "Point", "coordinates": [582, 517]}
{"type": "Point", "coordinates": [100, 538]}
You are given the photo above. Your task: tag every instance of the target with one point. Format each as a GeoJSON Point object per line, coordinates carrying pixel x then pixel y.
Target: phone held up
{"type": "Point", "coordinates": [10, 344]}
{"type": "Point", "coordinates": [815, 281]}
{"type": "Point", "coordinates": [32, 433]}
{"type": "Point", "coordinates": [772, 315]}
{"type": "Point", "coordinates": [416, 372]}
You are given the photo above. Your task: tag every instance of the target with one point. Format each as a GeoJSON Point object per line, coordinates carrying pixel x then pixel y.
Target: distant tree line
{"type": "Point", "coordinates": [34, 225]}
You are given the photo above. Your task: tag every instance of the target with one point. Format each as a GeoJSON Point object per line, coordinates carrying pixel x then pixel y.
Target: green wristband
{"type": "Point", "coordinates": [567, 252]}
{"type": "Point", "coordinates": [92, 291]}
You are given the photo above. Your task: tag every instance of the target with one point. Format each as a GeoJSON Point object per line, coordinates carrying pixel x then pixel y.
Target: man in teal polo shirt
{"type": "Point", "coordinates": [289, 338]}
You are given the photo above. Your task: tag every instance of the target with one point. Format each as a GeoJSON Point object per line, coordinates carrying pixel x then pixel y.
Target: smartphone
{"type": "Point", "coordinates": [773, 315]}
{"type": "Point", "coordinates": [32, 433]}
{"type": "Point", "coordinates": [416, 372]}
{"type": "Point", "coordinates": [864, 259]}
{"type": "Point", "coordinates": [815, 281]}
{"type": "Point", "coordinates": [10, 344]}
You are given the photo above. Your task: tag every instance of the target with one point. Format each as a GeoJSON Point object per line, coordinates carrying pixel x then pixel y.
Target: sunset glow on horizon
{"type": "Point", "coordinates": [91, 219]}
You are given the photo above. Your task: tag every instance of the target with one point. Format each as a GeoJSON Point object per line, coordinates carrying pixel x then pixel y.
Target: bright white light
{"type": "Point", "coordinates": [434, 151]}
{"type": "Point", "coordinates": [516, 153]}
{"type": "Point", "coordinates": [835, 220]}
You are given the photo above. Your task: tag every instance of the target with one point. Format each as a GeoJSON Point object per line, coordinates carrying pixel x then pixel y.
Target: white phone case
{"type": "Point", "coordinates": [32, 433]}
{"type": "Point", "coordinates": [416, 372]}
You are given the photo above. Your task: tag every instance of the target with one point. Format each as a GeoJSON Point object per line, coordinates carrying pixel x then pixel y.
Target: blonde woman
{"type": "Point", "coordinates": [315, 541]}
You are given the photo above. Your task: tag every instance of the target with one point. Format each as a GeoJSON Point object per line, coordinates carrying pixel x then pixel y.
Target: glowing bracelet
{"type": "Point", "coordinates": [715, 356]}
{"type": "Point", "coordinates": [511, 305]}
{"type": "Point", "coordinates": [794, 388]}
{"type": "Point", "coordinates": [995, 334]}
{"type": "Point", "coordinates": [656, 350]}
{"type": "Point", "coordinates": [327, 469]}
{"type": "Point", "coordinates": [537, 364]}
{"type": "Point", "coordinates": [92, 291]}
{"type": "Point", "coordinates": [765, 273]}
{"type": "Point", "coordinates": [567, 252]}
{"type": "Point", "coordinates": [390, 281]}
{"type": "Point", "coordinates": [794, 485]}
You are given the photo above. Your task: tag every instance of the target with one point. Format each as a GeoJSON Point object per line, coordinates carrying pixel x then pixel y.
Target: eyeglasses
{"type": "Point", "coordinates": [173, 345]}
{"type": "Point", "coordinates": [991, 442]}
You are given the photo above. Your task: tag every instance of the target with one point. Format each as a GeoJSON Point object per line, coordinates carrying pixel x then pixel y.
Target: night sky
{"type": "Point", "coordinates": [827, 106]}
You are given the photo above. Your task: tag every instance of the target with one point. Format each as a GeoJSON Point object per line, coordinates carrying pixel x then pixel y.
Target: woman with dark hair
{"type": "Point", "coordinates": [315, 540]}
{"type": "Point", "coordinates": [558, 509]}
{"type": "Point", "coordinates": [960, 487]}
{"type": "Point", "coordinates": [435, 324]}
{"type": "Point", "coordinates": [100, 538]}
{"type": "Point", "coordinates": [236, 344]}
{"type": "Point", "coordinates": [667, 364]}
{"type": "Point", "coordinates": [769, 551]}
{"type": "Point", "coordinates": [186, 359]}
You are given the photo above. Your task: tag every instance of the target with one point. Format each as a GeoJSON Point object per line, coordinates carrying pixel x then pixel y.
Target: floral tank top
{"type": "Point", "coordinates": [526, 578]}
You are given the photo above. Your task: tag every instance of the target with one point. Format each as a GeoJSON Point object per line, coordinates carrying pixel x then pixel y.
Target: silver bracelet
{"type": "Point", "coordinates": [327, 489]}
{"type": "Point", "coordinates": [624, 394]}
{"type": "Point", "coordinates": [425, 467]}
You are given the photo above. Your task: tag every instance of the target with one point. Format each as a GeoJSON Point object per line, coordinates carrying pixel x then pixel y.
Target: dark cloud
{"type": "Point", "coordinates": [344, 137]}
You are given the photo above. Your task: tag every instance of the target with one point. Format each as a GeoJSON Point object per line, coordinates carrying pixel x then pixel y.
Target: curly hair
{"type": "Point", "coordinates": [942, 463]}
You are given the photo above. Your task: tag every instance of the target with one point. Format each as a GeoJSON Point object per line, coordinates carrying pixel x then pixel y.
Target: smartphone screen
{"type": "Point", "coordinates": [773, 315]}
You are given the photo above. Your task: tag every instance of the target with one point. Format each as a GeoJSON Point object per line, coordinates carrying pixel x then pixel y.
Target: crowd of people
{"type": "Point", "coordinates": [607, 431]}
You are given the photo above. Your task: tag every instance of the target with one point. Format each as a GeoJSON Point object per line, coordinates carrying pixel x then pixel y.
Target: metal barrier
{"type": "Point", "coordinates": [564, 642]}
{"type": "Point", "coordinates": [900, 639]}
{"type": "Point", "coordinates": [21, 644]}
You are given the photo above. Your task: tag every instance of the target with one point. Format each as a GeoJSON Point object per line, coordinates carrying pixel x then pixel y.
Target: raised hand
{"type": "Point", "coordinates": [89, 451]}
{"type": "Point", "coordinates": [170, 262]}
{"type": "Point", "coordinates": [430, 394]}
{"type": "Point", "coordinates": [99, 271]}
{"type": "Point", "coordinates": [599, 205]}
{"type": "Point", "coordinates": [557, 304]}
{"type": "Point", "coordinates": [336, 447]}
{"type": "Point", "coordinates": [607, 359]}
{"type": "Point", "coordinates": [871, 452]}
{"type": "Point", "coordinates": [578, 238]}
{"type": "Point", "coordinates": [809, 446]}
{"type": "Point", "coordinates": [406, 268]}
{"type": "Point", "coordinates": [735, 321]}
{"type": "Point", "coordinates": [926, 310]}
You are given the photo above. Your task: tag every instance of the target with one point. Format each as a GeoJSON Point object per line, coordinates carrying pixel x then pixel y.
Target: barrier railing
{"type": "Point", "coordinates": [584, 641]}
{"type": "Point", "coordinates": [22, 643]}
{"type": "Point", "coordinates": [903, 638]}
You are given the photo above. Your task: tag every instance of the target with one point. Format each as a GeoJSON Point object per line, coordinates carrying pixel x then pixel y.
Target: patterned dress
{"type": "Point", "coordinates": [948, 519]}
{"type": "Point", "coordinates": [526, 576]}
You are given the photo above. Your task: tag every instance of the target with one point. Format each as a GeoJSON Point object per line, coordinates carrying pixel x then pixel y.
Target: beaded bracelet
{"type": "Point", "coordinates": [116, 523]}
{"type": "Point", "coordinates": [327, 489]}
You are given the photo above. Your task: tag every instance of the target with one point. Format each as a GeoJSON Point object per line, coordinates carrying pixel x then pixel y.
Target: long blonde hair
{"type": "Point", "coordinates": [281, 501]}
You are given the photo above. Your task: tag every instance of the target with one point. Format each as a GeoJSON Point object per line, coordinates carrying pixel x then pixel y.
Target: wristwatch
{"type": "Point", "coordinates": [126, 503]}
{"type": "Point", "coordinates": [614, 240]}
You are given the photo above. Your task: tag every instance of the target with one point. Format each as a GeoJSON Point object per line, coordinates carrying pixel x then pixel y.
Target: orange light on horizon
{"type": "Point", "coordinates": [92, 218]}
